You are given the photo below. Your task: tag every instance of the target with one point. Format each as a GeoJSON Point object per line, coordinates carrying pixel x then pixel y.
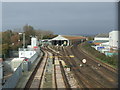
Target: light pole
{"type": "Point", "coordinates": [23, 40]}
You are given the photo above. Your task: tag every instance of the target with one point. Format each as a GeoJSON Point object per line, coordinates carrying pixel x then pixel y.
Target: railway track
{"type": "Point", "coordinates": [46, 74]}
{"type": "Point", "coordinates": [56, 55]}
{"type": "Point", "coordinates": [87, 76]}
{"type": "Point", "coordinates": [108, 67]}
{"type": "Point", "coordinates": [36, 77]}
{"type": "Point", "coordinates": [88, 81]}
{"type": "Point", "coordinates": [102, 72]}
{"type": "Point", "coordinates": [81, 84]}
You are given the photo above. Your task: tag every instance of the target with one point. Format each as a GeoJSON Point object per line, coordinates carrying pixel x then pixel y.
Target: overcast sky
{"type": "Point", "coordinates": [61, 18]}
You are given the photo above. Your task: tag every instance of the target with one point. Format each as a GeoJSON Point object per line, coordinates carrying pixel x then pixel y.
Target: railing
{"type": "Point", "coordinates": [24, 66]}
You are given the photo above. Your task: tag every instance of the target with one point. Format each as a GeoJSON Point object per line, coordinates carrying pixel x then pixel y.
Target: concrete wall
{"type": "Point", "coordinates": [15, 63]}
{"type": "Point", "coordinates": [24, 66]}
{"type": "Point", "coordinates": [12, 81]}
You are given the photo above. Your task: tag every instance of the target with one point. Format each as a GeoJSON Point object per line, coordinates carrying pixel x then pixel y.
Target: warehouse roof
{"type": "Point", "coordinates": [100, 41]}
{"type": "Point", "coordinates": [74, 37]}
{"type": "Point", "coordinates": [59, 37]}
{"type": "Point", "coordinates": [102, 35]}
{"type": "Point", "coordinates": [65, 37]}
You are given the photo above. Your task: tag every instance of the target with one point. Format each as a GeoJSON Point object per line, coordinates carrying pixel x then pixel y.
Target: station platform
{"type": "Point", "coordinates": [26, 75]}
{"type": "Point", "coordinates": [59, 77]}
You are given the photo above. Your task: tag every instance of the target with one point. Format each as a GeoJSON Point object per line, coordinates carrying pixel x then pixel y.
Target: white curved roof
{"type": "Point", "coordinates": [59, 37]}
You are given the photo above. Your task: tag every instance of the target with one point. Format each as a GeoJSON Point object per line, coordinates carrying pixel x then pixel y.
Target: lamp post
{"type": "Point", "coordinates": [23, 42]}
{"type": "Point", "coordinates": [23, 39]}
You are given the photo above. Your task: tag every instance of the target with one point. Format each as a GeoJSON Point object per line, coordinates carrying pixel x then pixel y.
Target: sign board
{"type": "Point", "coordinates": [68, 69]}
{"type": "Point", "coordinates": [100, 47]}
{"type": "Point", "coordinates": [51, 56]}
{"type": "Point", "coordinates": [35, 47]}
{"type": "Point", "coordinates": [84, 61]}
{"type": "Point", "coordinates": [71, 56]}
{"type": "Point", "coordinates": [81, 65]}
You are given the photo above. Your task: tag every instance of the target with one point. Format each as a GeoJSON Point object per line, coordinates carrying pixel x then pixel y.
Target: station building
{"type": "Point", "coordinates": [62, 40]}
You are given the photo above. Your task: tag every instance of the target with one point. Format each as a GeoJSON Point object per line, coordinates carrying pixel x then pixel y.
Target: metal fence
{"type": "Point", "coordinates": [24, 66]}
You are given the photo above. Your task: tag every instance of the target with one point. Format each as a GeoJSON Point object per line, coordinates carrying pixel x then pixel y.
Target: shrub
{"type": "Point", "coordinates": [110, 60]}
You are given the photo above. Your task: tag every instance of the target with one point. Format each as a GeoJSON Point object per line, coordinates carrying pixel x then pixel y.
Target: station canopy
{"type": "Point", "coordinates": [63, 37]}
{"type": "Point", "coordinates": [59, 37]}
{"type": "Point", "coordinates": [63, 40]}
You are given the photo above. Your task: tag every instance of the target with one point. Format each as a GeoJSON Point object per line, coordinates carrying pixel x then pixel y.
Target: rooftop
{"type": "Point", "coordinates": [100, 41]}
{"type": "Point", "coordinates": [74, 37]}
{"type": "Point", "coordinates": [65, 37]}
{"type": "Point", "coordinates": [102, 35]}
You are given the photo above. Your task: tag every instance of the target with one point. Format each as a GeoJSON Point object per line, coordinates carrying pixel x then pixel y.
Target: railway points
{"type": "Point", "coordinates": [70, 68]}
{"type": "Point", "coordinates": [47, 74]}
{"type": "Point", "coordinates": [96, 74]}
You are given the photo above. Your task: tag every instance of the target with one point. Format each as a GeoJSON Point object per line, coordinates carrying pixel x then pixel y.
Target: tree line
{"type": "Point", "coordinates": [12, 40]}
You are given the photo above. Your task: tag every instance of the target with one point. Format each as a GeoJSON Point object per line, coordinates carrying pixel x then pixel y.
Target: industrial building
{"type": "Point", "coordinates": [101, 38]}
{"type": "Point", "coordinates": [113, 39]}
{"type": "Point", "coordinates": [62, 40]}
{"type": "Point", "coordinates": [30, 50]}
{"type": "Point", "coordinates": [107, 43]}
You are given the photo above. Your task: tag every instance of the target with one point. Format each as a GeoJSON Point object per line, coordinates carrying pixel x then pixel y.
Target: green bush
{"type": "Point", "coordinates": [110, 60]}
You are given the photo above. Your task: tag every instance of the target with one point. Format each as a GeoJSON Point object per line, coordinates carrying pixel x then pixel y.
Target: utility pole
{"type": "Point", "coordinates": [41, 36]}
{"type": "Point", "coordinates": [23, 40]}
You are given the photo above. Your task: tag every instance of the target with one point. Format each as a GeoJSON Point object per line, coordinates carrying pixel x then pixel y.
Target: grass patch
{"type": "Point", "coordinates": [112, 61]}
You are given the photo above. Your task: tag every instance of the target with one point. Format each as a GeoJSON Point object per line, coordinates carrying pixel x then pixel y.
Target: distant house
{"type": "Point", "coordinates": [101, 38]}
{"type": "Point", "coordinates": [107, 43]}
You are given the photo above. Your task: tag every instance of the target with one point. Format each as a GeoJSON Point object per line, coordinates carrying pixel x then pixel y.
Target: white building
{"type": "Point", "coordinates": [26, 53]}
{"type": "Point", "coordinates": [30, 50]}
{"type": "Point", "coordinates": [102, 37]}
{"type": "Point", "coordinates": [105, 42]}
{"type": "Point", "coordinates": [15, 62]}
{"type": "Point", "coordinates": [113, 39]}
{"type": "Point", "coordinates": [33, 42]}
